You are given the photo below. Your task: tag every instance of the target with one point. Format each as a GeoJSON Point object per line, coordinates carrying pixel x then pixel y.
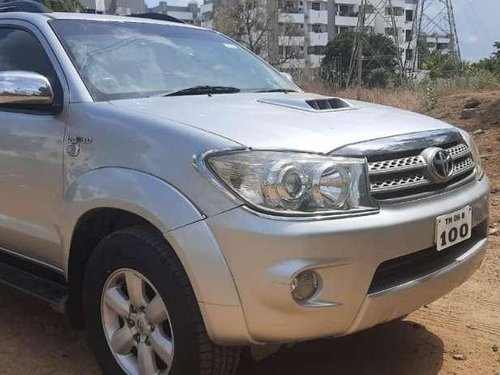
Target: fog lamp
{"type": "Point", "coordinates": [305, 285]}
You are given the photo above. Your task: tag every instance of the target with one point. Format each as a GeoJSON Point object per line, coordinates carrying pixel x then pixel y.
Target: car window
{"type": "Point", "coordinates": [20, 50]}
{"type": "Point", "coordinates": [132, 59]}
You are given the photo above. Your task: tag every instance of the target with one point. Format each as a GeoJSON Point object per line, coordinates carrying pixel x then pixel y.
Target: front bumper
{"type": "Point", "coordinates": [263, 254]}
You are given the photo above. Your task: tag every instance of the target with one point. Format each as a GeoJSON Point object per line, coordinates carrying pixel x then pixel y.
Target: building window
{"type": "Point", "coordinates": [344, 29]}
{"type": "Point", "coordinates": [345, 10]}
{"type": "Point", "coordinates": [393, 11]}
{"type": "Point", "coordinates": [316, 50]}
{"type": "Point", "coordinates": [409, 35]}
{"type": "Point", "coordinates": [291, 52]}
{"type": "Point", "coordinates": [318, 28]}
{"type": "Point", "coordinates": [409, 15]}
{"type": "Point", "coordinates": [369, 8]}
{"type": "Point", "coordinates": [290, 30]}
{"type": "Point", "coordinates": [409, 54]}
{"type": "Point", "coordinates": [288, 6]}
{"type": "Point", "coordinates": [316, 6]}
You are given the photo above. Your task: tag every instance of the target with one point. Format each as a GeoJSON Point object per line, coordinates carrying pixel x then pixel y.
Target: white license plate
{"type": "Point", "coordinates": [453, 228]}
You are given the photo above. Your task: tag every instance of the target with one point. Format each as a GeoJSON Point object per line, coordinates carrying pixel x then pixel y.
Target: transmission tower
{"type": "Point", "coordinates": [376, 15]}
{"type": "Point", "coordinates": [357, 50]}
{"type": "Point", "coordinates": [436, 26]}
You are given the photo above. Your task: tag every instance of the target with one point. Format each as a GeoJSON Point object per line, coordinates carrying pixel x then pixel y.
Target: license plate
{"type": "Point", "coordinates": [453, 228]}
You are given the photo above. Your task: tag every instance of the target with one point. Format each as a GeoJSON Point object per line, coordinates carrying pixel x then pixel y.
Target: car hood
{"type": "Point", "coordinates": [283, 121]}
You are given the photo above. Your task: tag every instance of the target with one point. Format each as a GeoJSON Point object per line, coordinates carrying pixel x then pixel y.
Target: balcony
{"type": "Point", "coordinates": [318, 16]}
{"type": "Point", "coordinates": [348, 2]}
{"type": "Point", "coordinates": [346, 10]}
{"type": "Point", "coordinates": [291, 18]}
{"type": "Point", "coordinates": [346, 21]}
{"type": "Point", "coordinates": [184, 16]}
{"type": "Point", "coordinates": [318, 39]}
{"type": "Point", "coordinates": [291, 40]}
{"type": "Point", "coordinates": [207, 8]}
{"type": "Point", "coordinates": [438, 39]}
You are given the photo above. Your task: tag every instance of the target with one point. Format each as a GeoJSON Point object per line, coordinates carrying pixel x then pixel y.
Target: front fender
{"type": "Point", "coordinates": [184, 228]}
{"type": "Point", "coordinates": [142, 194]}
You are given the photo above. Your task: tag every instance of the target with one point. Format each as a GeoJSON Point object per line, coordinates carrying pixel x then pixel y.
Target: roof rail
{"type": "Point", "coordinates": [157, 16]}
{"type": "Point", "coordinates": [23, 6]}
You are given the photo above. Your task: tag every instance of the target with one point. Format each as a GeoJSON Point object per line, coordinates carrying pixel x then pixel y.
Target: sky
{"type": "Point", "coordinates": [478, 23]}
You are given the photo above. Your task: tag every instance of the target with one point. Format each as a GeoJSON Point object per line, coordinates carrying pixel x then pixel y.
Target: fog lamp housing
{"type": "Point", "coordinates": [305, 285]}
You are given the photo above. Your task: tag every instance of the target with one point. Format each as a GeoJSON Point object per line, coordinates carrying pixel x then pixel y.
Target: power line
{"type": "Point", "coordinates": [436, 19]}
{"type": "Point", "coordinates": [376, 13]}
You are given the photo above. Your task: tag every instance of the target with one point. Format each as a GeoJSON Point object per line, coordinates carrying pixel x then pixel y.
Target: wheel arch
{"type": "Point", "coordinates": [90, 229]}
{"type": "Point", "coordinates": [108, 199]}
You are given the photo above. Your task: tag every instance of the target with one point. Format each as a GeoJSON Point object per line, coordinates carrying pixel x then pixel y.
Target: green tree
{"type": "Point", "coordinates": [249, 22]}
{"type": "Point", "coordinates": [63, 5]}
{"type": "Point", "coordinates": [491, 64]}
{"type": "Point", "coordinates": [441, 65]}
{"type": "Point", "coordinates": [423, 50]}
{"type": "Point", "coordinates": [380, 58]}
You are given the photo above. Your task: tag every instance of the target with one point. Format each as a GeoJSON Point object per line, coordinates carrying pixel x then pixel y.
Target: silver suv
{"type": "Point", "coordinates": [180, 199]}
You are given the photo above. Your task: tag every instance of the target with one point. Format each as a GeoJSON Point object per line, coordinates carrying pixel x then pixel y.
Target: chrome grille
{"type": "Point", "coordinates": [401, 176]}
{"type": "Point", "coordinates": [398, 183]}
{"type": "Point", "coordinates": [463, 166]}
{"type": "Point", "coordinates": [397, 165]}
{"type": "Point", "coordinates": [459, 150]}
{"type": "Point", "coordinates": [380, 167]}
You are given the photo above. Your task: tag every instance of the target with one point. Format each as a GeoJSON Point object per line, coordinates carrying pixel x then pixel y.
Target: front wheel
{"type": "Point", "coordinates": [141, 313]}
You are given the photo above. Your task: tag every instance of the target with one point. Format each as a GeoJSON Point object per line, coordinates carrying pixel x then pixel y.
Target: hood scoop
{"type": "Point", "coordinates": [311, 105]}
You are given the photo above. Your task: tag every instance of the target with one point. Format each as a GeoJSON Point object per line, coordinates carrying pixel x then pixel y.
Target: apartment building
{"type": "Point", "coordinates": [301, 28]}
{"type": "Point", "coordinates": [119, 7]}
{"type": "Point", "coordinates": [306, 26]}
{"type": "Point", "coordinates": [207, 14]}
{"type": "Point", "coordinates": [438, 42]}
{"type": "Point", "coordinates": [189, 13]}
{"type": "Point", "coordinates": [395, 19]}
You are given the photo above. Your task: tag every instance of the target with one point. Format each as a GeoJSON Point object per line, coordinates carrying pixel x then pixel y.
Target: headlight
{"type": "Point", "coordinates": [475, 153]}
{"type": "Point", "coordinates": [290, 183]}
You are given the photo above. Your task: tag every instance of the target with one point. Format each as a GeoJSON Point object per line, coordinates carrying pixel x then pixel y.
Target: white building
{"type": "Point", "coordinates": [189, 13]}
{"type": "Point", "coordinates": [398, 23]}
{"type": "Point", "coordinates": [438, 42]}
{"type": "Point", "coordinates": [315, 22]}
{"type": "Point", "coordinates": [311, 28]}
{"type": "Point", "coordinates": [207, 14]}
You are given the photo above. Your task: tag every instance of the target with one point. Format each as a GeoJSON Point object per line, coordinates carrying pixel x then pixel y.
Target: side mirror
{"type": "Point", "coordinates": [287, 76]}
{"type": "Point", "coordinates": [25, 88]}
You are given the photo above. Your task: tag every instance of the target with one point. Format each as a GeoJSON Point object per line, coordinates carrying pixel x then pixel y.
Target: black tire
{"type": "Point", "coordinates": [146, 251]}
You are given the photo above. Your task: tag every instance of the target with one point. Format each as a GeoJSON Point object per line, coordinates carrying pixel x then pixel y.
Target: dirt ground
{"type": "Point", "coordinates": [458, 334]}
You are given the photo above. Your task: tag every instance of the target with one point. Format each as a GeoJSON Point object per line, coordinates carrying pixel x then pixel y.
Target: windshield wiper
{"type": "Point", "coordinates": [286, 91]}
{"type": "Point", "coordinates": [204, 90]}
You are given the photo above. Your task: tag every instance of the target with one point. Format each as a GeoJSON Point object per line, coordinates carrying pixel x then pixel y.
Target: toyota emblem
{"type": "Point", "coordinates": [439, 162]}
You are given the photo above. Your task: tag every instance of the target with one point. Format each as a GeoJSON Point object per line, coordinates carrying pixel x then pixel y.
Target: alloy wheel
{"type": "Point", "coordinates": [136, 324]}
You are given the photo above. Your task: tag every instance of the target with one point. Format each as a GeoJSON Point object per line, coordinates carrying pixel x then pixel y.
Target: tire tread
{"type": "Point", "coordinates": [213, 359]}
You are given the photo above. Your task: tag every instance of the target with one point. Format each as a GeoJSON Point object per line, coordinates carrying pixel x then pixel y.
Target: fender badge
{"type": "Point", "coordinates": [73, 149]}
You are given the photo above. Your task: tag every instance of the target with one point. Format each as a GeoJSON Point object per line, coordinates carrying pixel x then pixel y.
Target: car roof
{"type": "Point", "coordinates": [37, 17]}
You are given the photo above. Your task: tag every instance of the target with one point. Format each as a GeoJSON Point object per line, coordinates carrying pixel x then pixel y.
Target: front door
{"type": "Point", "coordinates": [30, 156]}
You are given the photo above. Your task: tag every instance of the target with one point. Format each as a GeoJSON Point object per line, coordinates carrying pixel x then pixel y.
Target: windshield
{"type": "Point", "coordinates": [118, 60]}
